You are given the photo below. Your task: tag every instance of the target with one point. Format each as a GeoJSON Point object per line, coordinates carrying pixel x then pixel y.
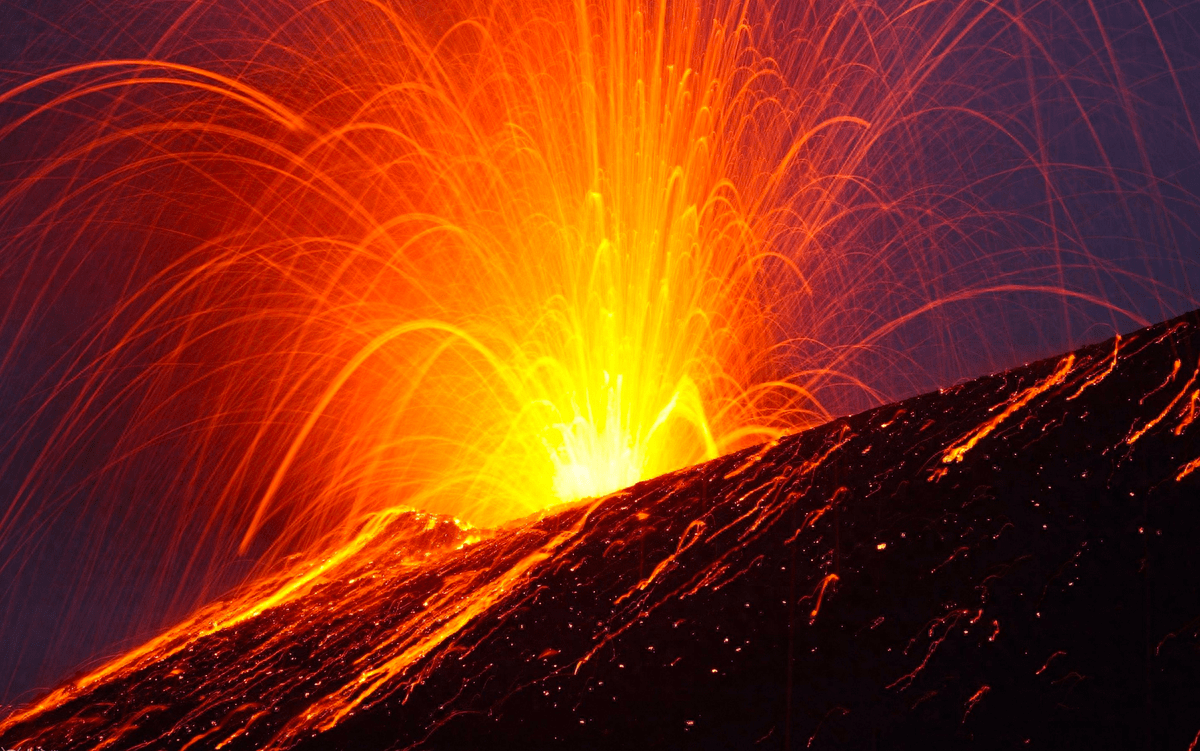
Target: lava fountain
{"type": "Point", "coordinates": [489, 258]}
{"type": "Point", "coordinates": [530, 255]}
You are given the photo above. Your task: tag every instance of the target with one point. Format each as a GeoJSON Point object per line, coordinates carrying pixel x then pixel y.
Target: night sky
{"type": "Point", "coordinates": [1144, 109]}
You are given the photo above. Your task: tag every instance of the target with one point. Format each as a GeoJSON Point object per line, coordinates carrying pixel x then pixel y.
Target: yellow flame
{"type": "Point", "coordinates": [592, 253]}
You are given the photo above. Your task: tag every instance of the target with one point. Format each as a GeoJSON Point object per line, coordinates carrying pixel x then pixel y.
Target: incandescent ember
{"type": "Point", "coordinates": [1008, 561]}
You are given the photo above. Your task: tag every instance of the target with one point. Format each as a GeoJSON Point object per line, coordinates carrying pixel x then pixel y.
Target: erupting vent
{"type": "Point", "coordinates": [1007, 561]}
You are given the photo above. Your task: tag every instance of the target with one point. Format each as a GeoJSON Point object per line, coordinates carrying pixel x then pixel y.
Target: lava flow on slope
{"type": "Point", "coordinates": [1006, 562]}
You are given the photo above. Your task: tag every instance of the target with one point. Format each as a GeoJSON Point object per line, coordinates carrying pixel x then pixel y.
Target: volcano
{"type": "Point", "coordinates": [1010, 562]}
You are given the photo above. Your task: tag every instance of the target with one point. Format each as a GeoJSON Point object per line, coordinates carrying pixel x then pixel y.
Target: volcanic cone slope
{"type": "Point", "coordinates": [1010, 561]}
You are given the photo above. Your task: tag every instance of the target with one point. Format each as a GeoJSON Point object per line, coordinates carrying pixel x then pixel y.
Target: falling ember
{"type": "Point", "coordinates": [1187, 469]}
{"type": "Point", "coordinates": [975, 699]}
{"type": "Point", "coordinates": [1134, 435]}
{"type": "Point", "coordinates": [1112, 364]}
{"type": "Point", "coordinates": [1017, 402]}
{"type": "Point", "coordinates": [820, 594]}
{"type": "Point", "coordinates": [1188, 414]}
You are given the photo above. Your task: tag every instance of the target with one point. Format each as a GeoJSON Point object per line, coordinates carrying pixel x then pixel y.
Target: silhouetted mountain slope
{"type": "Point", "coordinates": [1009, 562]}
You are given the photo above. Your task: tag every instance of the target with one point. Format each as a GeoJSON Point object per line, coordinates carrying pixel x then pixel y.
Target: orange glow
{"type": "Point", "coordinates": [488, 258]}
{"type": "Point", "coordinates": [510, 256]}
{"type": "Point", "coordinates": [578, 243]}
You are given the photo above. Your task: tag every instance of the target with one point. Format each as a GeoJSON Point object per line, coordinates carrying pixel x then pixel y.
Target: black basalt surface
{"type": "Point", "coordinates": [1009, 563]}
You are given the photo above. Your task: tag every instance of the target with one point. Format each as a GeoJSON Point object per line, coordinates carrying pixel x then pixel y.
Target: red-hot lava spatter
{"type": "Point", "coordinates": [816, 589]}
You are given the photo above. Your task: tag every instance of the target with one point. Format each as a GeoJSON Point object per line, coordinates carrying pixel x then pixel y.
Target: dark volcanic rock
{"type": "Point", "coordinates": [1009, 562]}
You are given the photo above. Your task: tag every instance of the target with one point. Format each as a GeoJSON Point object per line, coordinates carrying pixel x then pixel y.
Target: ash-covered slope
{"type": "Point", "coordinates": [1010, 562]}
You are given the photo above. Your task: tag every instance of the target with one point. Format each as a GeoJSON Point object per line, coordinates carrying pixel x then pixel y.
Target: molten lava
{"type": "Point", "coordinates": [815, 587]}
